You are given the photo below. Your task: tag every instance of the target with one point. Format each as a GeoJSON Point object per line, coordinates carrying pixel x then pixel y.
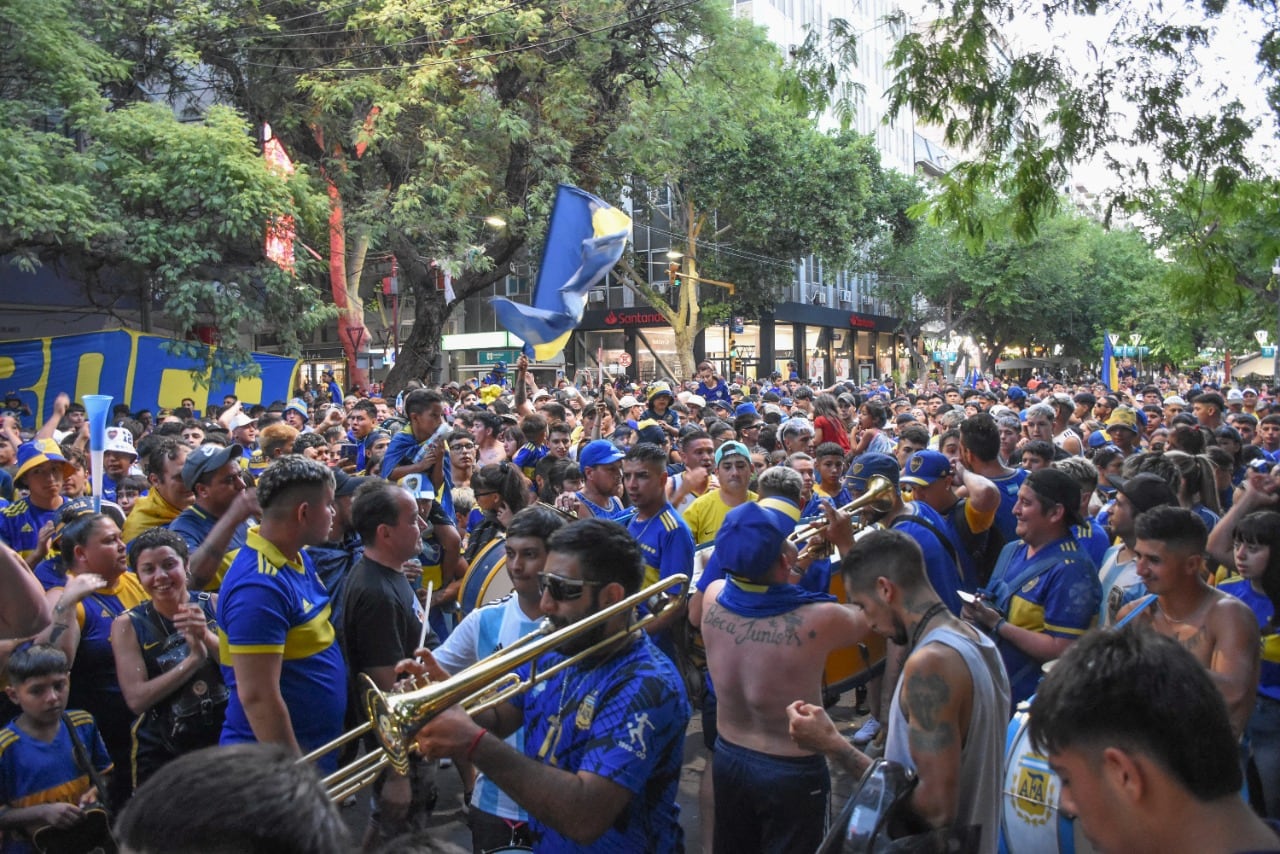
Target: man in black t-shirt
{"type": "Point", "coordinates": [381, 625]}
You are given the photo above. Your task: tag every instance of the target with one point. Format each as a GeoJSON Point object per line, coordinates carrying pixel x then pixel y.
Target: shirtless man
{"type": "Point", "coordinates": [767, 642]}
{"type": "Point", "coordinates": [1217, 628]}
{"type": "Point", "coordinates": [485, 427]}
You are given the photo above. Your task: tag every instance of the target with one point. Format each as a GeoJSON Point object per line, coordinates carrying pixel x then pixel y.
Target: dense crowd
{"type": "Point", "coordinates": [247, 572]}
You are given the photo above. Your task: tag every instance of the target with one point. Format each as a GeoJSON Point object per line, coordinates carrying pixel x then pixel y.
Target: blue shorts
{"type": "Point", "coordinates": [769, 803]}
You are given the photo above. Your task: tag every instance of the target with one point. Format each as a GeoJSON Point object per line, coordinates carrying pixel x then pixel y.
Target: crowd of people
{"type": "Point", "coordinates": [247, 572]}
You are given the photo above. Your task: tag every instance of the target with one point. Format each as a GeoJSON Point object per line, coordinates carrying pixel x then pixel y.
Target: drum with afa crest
{"type": "Point", "coordinates": [486, 578]}
{"type": "Point", "coordinates": [1030, 820]}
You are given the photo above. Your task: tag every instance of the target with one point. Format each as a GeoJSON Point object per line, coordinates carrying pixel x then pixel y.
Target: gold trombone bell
{"type": "Point", "coordinates": [394, 718]}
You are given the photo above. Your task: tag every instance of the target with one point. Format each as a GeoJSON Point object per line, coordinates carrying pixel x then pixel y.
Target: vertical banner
{"type": "Point", "coordinates": [131, 367]}
{"type": "Point", "coordinates": [1110, 370]}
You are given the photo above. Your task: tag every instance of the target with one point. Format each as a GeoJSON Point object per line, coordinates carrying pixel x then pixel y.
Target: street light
{"type": "Point", "coordinates": [674, 255]}
{"type": "Point", "coordinates": [495, 222]}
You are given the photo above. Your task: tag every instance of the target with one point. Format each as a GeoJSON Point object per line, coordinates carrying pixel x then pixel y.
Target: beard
{"type": "Point", "coordinates": [581, 641]}
{"type": "Point", "coordinates": [900, 636]}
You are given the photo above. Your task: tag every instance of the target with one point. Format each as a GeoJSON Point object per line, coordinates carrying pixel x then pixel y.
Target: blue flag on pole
{"type": "Point", "coordinates": [1110, 370]}
{"type": "Point", "coordinates": [585, 238]}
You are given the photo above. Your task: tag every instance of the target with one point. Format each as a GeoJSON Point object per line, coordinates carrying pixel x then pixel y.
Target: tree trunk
{"type": "Point", "coordinates": [419, 352]}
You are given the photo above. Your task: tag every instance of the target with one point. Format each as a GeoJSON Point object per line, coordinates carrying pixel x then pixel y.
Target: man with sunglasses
{"type": "Point", "coordinates": [604, 738]}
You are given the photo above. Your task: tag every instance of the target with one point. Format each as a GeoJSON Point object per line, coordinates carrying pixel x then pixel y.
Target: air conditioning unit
{"type": "Point", "coordinates": [846, 297]}
{"type": "Point", "coordinates": [596, 295]}
{"type": "Point", "coordinates": [660, 287]}
{"type": "Point", "coordinates": [818, 298]}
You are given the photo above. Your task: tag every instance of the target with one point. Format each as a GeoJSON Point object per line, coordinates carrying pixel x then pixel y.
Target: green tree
{"type": "Point", "coordinates": [134, 203]}
{"type": "Point", "coordinates": [1063, 288]}
{"type": "Point", "coordinates": [752, 183]}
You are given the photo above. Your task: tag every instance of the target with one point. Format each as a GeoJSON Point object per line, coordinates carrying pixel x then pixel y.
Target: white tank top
{"type": "Point", "coordinates": [982, 758]}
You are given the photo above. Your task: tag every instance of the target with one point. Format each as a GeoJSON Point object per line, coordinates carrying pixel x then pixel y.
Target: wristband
{"type": "Point", "coordinates": [995, 630]}
{"type": "Point", "coordinates": [475, 742]}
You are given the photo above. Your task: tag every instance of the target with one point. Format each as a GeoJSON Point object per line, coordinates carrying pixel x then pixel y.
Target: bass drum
{"type": "Point", "coordinates": [850, 666]}
{"type": "Point", "coordinates": [1030, 821]}
{"type": "Point", "coordinates": [486, 578]}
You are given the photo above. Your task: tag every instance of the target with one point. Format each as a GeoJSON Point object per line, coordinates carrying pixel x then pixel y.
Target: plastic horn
{"type": "Point", "coordinates": [97, 408]}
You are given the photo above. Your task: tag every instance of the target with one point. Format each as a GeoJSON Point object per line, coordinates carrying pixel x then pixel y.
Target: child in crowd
{"type": "Point", "coordinates": [43, 780]}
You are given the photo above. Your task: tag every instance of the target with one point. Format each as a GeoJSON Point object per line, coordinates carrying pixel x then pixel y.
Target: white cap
{"type": "Point", "coordinates": [1235, 394]}
{"type": "Point", "coordinates": [696, 400]}
{"type": "Point", "coordinates": [627, 402]}
{"type": "Point", "coordinates": [242, 420]}
{"type": "Point", "coordinates": [1174, 400]}
{"type": "Point", "coordinates": [120, 440]}
{"type": "Point", "coordinates": [419, 486]}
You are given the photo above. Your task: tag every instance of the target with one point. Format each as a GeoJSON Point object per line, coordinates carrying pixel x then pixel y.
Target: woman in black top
{"type": "Point", "coordinates": [166, 653]}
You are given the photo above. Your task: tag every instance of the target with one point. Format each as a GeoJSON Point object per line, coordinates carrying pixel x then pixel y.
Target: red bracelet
{"type": "Point", "coordinates": [475, 742]}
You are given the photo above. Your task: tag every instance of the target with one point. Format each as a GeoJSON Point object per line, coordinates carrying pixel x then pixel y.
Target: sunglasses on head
{"type": "Point", "coordinates": [563, 589]}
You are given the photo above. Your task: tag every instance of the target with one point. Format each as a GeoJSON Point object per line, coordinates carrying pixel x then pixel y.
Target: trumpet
{"type": "Point", "coordinates": [568, 515]}
{"type": "Point", "coordinates": [394, 718]}
{"type": "Point", "coordinates": [877, 496]}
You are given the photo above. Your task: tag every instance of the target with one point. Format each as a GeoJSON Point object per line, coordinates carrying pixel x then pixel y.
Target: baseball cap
{"type": "Point", "coordinates": [1057, 487]}
{"type": "Point", "coordinates": [242, 420]}
{"type": "Point", "coordinates": [119, 440]}
{"type": "Point", "coordinates": [926, 467]}
{"type": "Point", "coordinates": [627, 402]}
{"type": "Point", "coordinates": [728, 449]}
{"type": "Point", "coordinates": [1249, 391]}
{"type": "Point", "coordinates": [649, 431]}
{"type": "Point", "coordinates": [747, 408]}
{"type": "Point", "coordinates": [78, 508]}
{"type": "Point", "coordinates": [749, 540]}
{"type": "Point", "coordinates": [696, 400]}
{"type": "Point", "coordinates": [1235, 394]}
{"type": "Point", "coordinates": [1016, 393]}
{"type": "Point", "coordinates": [867, 466]}
{"type": "Point", "coordinates": [1147, 490]}
{"type": "Point", "coordinates": [346, 484]}
{"type": "Point", "coordinates": [207, 458]}
{"type": "Point", "coordinates": [418, 484]}
{"type": "Point", "coordinates": [1174, 400]}
{"type": "Point", "coordinates": [600, 452]}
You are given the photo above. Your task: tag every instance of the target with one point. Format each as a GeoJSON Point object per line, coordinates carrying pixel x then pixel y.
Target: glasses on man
{"type": "Point", "coordinates": [563, 589]}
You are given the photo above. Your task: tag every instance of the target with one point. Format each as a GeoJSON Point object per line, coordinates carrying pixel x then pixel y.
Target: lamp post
{"type": "Point", "coordinates": [1275, 365]}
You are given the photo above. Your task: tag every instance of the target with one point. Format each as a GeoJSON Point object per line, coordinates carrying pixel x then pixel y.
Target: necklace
{"type": "Point", "coordinates": [1187, 619]}
{"type": "Point", "coordinates": [933, 611]}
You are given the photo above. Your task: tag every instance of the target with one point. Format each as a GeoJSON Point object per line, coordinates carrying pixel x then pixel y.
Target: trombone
{"type": "Point", "coordinates": [878, 495]}
{"type": "Point", "coordinates": [395, 717]}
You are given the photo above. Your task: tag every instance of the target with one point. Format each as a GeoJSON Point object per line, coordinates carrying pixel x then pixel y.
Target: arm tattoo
{"type": "Point", "coordinates": [58, 629]}
{"type": "Point", "coordinates": [926, 697]}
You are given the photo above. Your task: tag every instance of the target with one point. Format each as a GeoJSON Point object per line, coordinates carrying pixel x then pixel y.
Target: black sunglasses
{"type": "Point", "coordinates": [563, 589]}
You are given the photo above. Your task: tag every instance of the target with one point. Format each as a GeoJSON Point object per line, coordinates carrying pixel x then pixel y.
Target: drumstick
{"type": "Point", "coordinates": [422, 638]}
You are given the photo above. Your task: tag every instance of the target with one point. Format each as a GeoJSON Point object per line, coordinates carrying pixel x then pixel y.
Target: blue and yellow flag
{"type": "Point", "coordinates": [1110, 370]}
{"type": "Point", "coordinates": [585, 239]}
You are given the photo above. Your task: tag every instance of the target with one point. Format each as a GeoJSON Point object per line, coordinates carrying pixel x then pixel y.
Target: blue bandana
{"type": "Point", "coordinates": [760, 600]}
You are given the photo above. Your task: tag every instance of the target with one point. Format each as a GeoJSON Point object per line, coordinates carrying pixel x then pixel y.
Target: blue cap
{"type": "Point", "coordinates": [926, 467]}
{"type": "Point", "coordinates": [1016, 393]}
{"type": "Point", "coordinates": [1098, 438]}
{"type": "Point", "coordinates": [747, 408]}
{"type": "Point", "coordinates": [499, 367]}
{"type": "Point", "coordinates": [749, 541]}
{"type": "Point", "coordinates": [728, 449]}
{"type": "Point", "coordinates": [650, 431]}
{"type": "Point", "coordinates": [867, 466]}
{"type": "Point", "coordinates": [600, 452]}
{"type": "Point", "coordinates": [38, 452]}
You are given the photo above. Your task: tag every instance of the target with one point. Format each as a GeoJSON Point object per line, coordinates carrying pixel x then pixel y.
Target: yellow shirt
{"type": "Point", "coordinates": [151, 511]}
{"type": "Point", "coordinates": [706, 514]}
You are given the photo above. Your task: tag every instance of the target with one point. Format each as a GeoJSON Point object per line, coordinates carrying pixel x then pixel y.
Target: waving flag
{"type": "Point", "coordinates": [1110, 370]}
{"type": "Point", "coordinates": [585, 239]}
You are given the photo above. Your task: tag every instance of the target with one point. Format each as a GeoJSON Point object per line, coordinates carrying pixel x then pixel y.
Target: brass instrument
{"type": "Point", "coordinates": [567, 514]}
{"type": "Point", "coordinates": [878, 496]}
{"type": "Point", "coordinates": [395, 717]}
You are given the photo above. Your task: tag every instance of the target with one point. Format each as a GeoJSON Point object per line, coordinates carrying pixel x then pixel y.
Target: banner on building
{"type": "Point", "coordinates": [131, 367]}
